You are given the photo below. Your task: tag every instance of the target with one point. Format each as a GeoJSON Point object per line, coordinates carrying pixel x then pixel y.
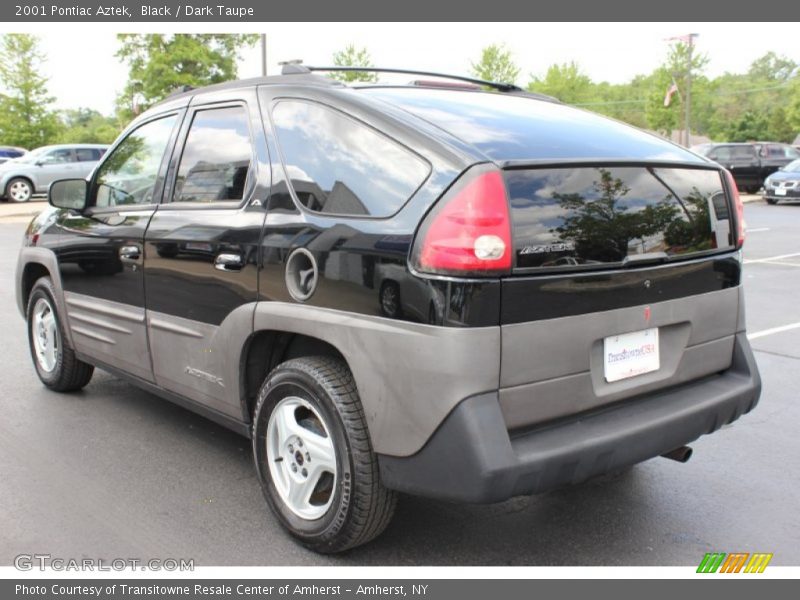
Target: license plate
{"type": "Point", "coordinates": [780, 191]}
{"type": "Point", "coordinates": [630, 354]}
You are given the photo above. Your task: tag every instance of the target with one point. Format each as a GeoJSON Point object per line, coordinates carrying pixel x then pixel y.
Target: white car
{"type": "Point", "coordinates": [33, 173]}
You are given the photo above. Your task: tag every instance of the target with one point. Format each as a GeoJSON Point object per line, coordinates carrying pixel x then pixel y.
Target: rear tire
{"type": "Point", "coordinates": [314, 458]}
{"type": "Point", "coordinates": [53, 358]}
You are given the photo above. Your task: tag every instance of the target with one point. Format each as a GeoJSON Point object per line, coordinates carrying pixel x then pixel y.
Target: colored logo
{"type": "Point", "coordinates": [736, 562]}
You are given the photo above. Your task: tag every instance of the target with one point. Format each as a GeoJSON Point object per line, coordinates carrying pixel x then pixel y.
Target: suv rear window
{"type": "Point", "coordinates": [516, 127]}
{"type": "Point", "coordinates": [593, 217]}
{"type": "Point", "coordinates": [732, 153]}
{"type": "Point", "coordinates": [338, 165]}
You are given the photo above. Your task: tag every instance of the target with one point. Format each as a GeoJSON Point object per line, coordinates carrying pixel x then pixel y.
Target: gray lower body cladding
{"type": "Point", "coordinates": [472, 457]}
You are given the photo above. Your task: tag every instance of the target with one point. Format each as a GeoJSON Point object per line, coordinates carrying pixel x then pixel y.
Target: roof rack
{"type": "Point", "coordinates": [181, 89]}
{"type": "Point", "coordinates": [500, 87]}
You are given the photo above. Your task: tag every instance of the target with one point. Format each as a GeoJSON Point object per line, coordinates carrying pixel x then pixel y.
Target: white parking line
{"type": "Point", "coordinates": [769, 258]}
{"type": "Point", "coordinates": [766, 332]}
{"type": "Point", "coordinates": [757, 229]}
{"type": "Point", "coordinates": [781, 263]}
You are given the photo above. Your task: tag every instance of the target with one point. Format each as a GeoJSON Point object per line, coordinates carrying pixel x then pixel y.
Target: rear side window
{"type": "Point", "coordinates": [591, 217]}
{"type": "Point", "coordinates": [779, 151]}
{"type": "Point", "coordinates": [87, 154]}
{"type": "Point", "coordinates": [216, 157]}
{"type": "Point", "coordinates": [338, 165]}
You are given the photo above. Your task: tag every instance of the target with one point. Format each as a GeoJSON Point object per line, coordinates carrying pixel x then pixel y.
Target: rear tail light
{"type": "Point", "coordinates": [737, 202]}
{"type": "Point", "coordinates": [469, 230]}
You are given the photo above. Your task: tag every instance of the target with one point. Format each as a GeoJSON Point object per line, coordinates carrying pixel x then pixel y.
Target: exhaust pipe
{"type": "Point", "coordinates": [682, 454]}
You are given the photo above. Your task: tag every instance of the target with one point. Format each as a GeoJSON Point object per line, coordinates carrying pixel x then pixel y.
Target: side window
{"type": "Point", "coordinates": [87, 154]}
{"type": "Point", "coordinates": [216, 157]}
{"type": "Point", "coordinates": [338, 165]}
{"type": "Point", "coordinates": [59, 157]}
{"type": "Point", "coordinates": [721, 153]}
{"type": "Point", "coordinates": [129, 173]}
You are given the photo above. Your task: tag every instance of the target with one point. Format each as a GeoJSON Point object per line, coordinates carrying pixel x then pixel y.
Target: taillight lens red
{"type": "Point", "coordinates": [469, 230]}
{"type": "Point", "coordinates": [737, 201]}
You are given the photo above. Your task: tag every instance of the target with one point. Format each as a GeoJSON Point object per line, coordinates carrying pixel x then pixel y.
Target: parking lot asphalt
{"type": "Point", "coordinates": [113, 471]}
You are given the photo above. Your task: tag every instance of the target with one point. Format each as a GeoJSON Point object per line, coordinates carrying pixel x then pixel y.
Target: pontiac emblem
{"type": "Point", "coordinates": [647, 314]}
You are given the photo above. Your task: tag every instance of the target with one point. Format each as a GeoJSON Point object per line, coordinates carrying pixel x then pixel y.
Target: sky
{"type": "Point", "coordinates": [84, 72]}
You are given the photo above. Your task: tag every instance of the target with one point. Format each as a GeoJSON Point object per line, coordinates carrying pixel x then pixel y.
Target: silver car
{"type": "Point", "coordinates": [33, 173]}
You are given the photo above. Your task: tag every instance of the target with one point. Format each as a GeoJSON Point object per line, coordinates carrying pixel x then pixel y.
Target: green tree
{"type": "Point", "coordinates": [88, 126]}
{"type": "Point", "coordinates": [496, 64]}
{"type": "Point", "coordinates": [159, 64]}
{"type": "Point", "coordinates": [353, 57]}
{"type": "Point", "coordinates": [26, 115]}
{"type": "Point", "coordinates": [772, 67]}
{"type": "Point", "coordinates": [566, 82]}
{"type": "Point", "coordinates": [793, 110]}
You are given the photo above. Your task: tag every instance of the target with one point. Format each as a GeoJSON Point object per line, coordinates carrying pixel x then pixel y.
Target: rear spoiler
{"type": "Point", "coordinates": [540, 163]}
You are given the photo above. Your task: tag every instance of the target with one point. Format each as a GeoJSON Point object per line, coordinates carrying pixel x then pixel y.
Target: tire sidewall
{"type": "Point", "coordinates": [291, 381]}
{"type": "Point", "coordinates": [42, 290]}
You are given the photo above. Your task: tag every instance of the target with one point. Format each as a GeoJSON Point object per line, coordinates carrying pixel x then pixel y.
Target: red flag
{"type": "Point", "coordinates": [670, 91]}
{"type": "Point", "coordinates": [687, 39]}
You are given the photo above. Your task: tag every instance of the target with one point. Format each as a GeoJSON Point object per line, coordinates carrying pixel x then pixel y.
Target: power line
{"type": "Point", "coordinates": [722, 93]}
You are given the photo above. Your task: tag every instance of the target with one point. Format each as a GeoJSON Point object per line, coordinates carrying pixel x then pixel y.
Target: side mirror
{"type": "Point", "coordinates": [68, 193]}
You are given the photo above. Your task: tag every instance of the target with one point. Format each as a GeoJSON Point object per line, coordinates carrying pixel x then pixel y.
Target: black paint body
{"type": "Point", "coordinates": [361, 259]}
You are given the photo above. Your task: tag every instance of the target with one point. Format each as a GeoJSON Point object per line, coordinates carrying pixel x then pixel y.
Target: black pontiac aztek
{"type": "Point", "coordinates": [457, 290]}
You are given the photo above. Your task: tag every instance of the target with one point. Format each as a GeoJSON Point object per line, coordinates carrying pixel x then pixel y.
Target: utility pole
{"type": "Point", "coordinates": [264, 54]}
{"type": "Point", "coordinates": [688, 114]}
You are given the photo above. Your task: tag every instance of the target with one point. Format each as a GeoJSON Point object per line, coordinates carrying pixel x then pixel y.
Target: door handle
{"type": "Point", "coordinates": [130, 253]}
{"type": "Point", "coordinates": [228, 262]}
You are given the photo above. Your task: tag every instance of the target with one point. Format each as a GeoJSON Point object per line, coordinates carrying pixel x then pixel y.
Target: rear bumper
{"type": "Point", "coordinates": [472, 457]}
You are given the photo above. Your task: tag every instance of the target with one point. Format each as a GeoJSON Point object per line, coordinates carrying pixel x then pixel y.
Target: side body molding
{"type": "Point", "coordinates": [409, 376]}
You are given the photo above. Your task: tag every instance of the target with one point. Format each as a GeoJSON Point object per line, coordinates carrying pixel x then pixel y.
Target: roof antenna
{"type": "Point", "coordinates": [293, 67]}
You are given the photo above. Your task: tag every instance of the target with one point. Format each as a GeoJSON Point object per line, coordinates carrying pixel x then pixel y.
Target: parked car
{"type": "Point", "coordinates": [31, 174]}
{"type": "Point", "coordinates": [783, 184]}
{"type": "Point", "coordinates": [741, 159]}
{"type": "Point", "coordinates": [576, 304]}
{"type": "Point", "coordinates": [775, 155]}
{"type": "Point", "coordinates": [10, 152]}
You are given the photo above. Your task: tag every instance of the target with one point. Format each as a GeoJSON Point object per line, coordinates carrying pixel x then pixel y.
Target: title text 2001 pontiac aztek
{"type": "Point", "coordinates": [429, 288]}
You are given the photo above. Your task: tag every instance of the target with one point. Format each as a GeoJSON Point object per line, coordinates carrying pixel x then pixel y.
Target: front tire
{"type": "Point", "coordinates": [19, 190]}
{"type": "Point", "coordinates": [314, 458]}
{"type": "Point", "coordinates": [54, 359]}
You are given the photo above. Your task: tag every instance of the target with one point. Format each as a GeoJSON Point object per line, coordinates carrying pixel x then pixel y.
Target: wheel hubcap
{"type": "Point", "coordinates": [20, 191]}
{"type": "Point", "coordinates": [302, 458]}
{"type": "Point", "coordinates": [46, 344]}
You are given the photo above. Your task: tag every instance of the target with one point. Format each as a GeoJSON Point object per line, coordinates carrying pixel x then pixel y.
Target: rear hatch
{"type": "Point", "coordinates": [614, 232]}
{"type": "Point", "coordinates": [624, 281]}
